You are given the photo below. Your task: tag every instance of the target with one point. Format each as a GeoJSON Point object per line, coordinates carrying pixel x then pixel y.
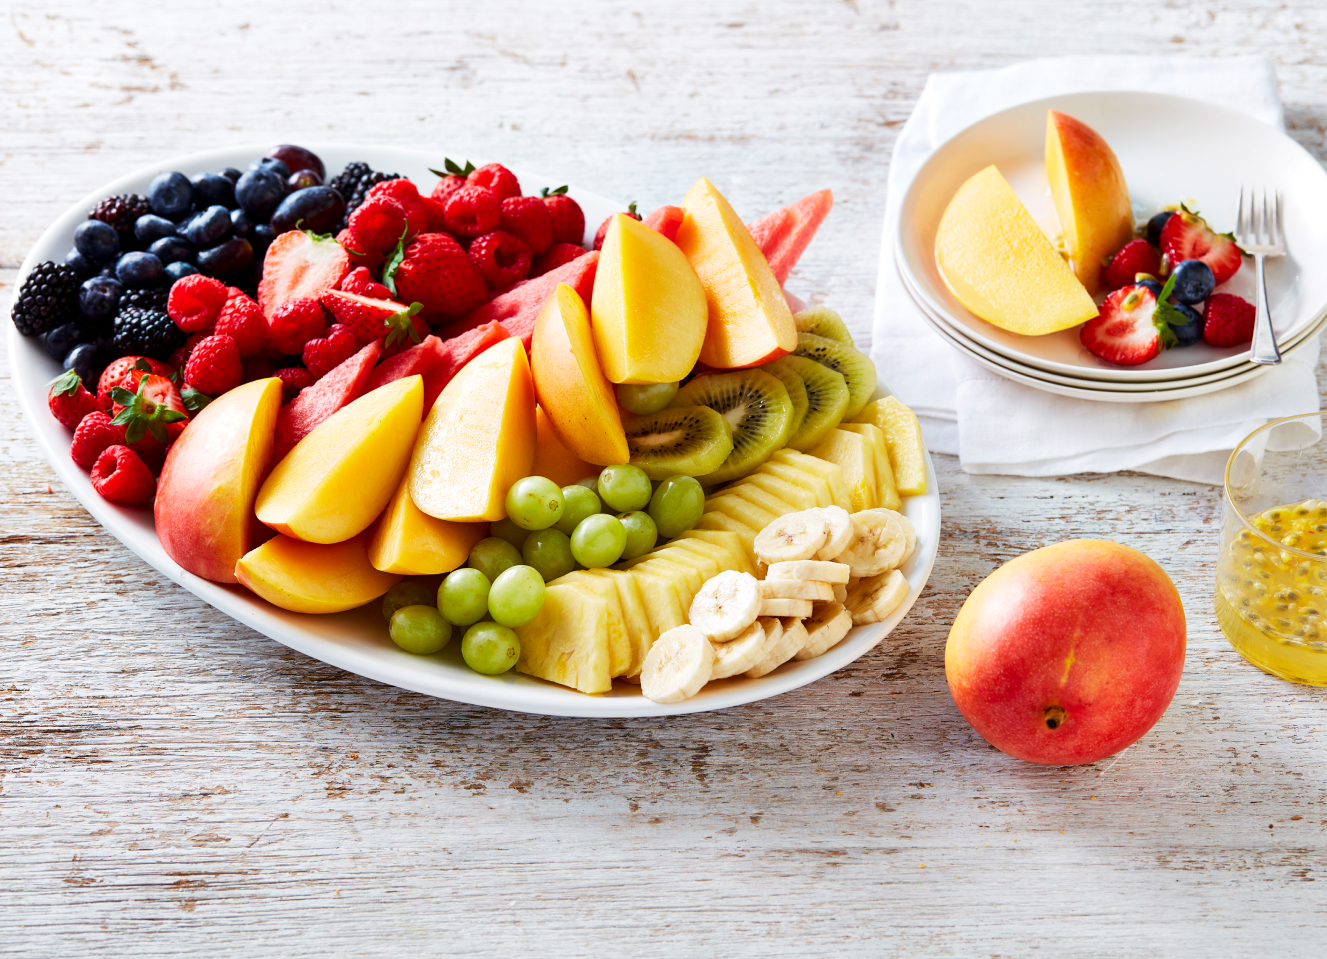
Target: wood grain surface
{"type": "Point", "coordinates": [172, 783]}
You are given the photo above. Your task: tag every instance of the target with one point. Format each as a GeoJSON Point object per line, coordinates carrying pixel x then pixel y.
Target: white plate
{"type": "Point", "coordinates": [1171, 149]}
{"type": "Point", "coordinates": [357, 641]}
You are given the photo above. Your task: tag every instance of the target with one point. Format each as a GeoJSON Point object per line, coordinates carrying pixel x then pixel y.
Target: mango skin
{"type": "Point", "coordinates": [336, 480]}
{"type": "Point", "coordinates": [478, 439]}
{"type": "Point", "coordinates": [407, 540]}
{"type": "Point", "coordinates": [313, 577]}
{"type": "Point", "coordinates": [205, 496]}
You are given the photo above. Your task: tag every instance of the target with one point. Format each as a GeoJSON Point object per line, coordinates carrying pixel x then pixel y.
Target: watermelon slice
{"type": "Point", "coordinates": [518, 308]}
{"type": "Point", "coordinates": [784, 234]}
{"type": "Point", "coordinates": [436, 361]}
{"type": "Point", "coordinates": [315, 403]}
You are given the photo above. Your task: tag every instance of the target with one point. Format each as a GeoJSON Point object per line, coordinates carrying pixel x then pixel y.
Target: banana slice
{"type": "Point", "coordinates": [838, 532]}
{"type": "Point", "coordinates": [785, 607]}
{"type": "Point", "coordinates": [814, 569]}
{"type": "Point", "coordinates": [783, 645]}
{"type": "Point", "coordinates": [840, 592]}
{"type": "Point", "coordinates": [743, 652]}
{"type": "Point", "coordinates": [679, 663]}
{"type": "Point", "coordinates": [726, 605]}
{"type": "Point", "coordinates": [878, 544]}
{"type": "Point", "coordinates": [910, 532]}
{"type": "Point", "coordinates": [792, 536]}
{"type": "Point", "coordinates": [825, 630]}
{"type": "Point", "coordinates": [795, 589]}
{"type": "Point", "coordinates": [872, 600]}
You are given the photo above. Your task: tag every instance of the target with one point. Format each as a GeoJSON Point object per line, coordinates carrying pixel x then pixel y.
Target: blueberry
{"type": "Point", "coordinates": [273, 164]}
{"type": "Point", "coordinates": [319, 207]}
{"type": "Point", "coordinates": [259, 192]}
{"type": "Point", "coordinates": [1194, 282]}
{"type": "Point", "coordinates": [227, 257]}
{"type": "Point", "coordinates": [213, 189]}
{"type": "Point", "coordinates": [59, 341]}
{"type": "Point", "coordinates": [230, 173]}
{"type": "Point", "coordinates": [99, 299]}
{"type": "Point", "coordinates": [179, 270]}
{"type": "Point", "coordinates": [97, 241]}
{"type": "Point", "coordinates": [1152, 285]}
{"type": "Point", "coordinates": [240, 224]}
{"type": "Point", "coordinates": [262, 238]}
{"type": "Point", "coordinates": [108, 270]}
{"type": "Point", "coordinates": [138, 269]}
{"type": "Point", "coordinates": [1190, 332]}
{"type": "Point", "coordinates": [85, 359]}
{"type": "Point", "coordinates": [149, 228]}
{"type": "Point", "coordinates": [206, 228]}
{"type": "Point", "coordinates": [170, 195]}
{"type": "Point", "coordinates": [80, 263]}
{"type": "Point", "coordinates": [1155, 226]}
{"type": "Point", "coordinates": [172, 249]}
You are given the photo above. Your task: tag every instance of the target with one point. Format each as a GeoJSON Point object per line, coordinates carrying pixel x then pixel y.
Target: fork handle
{"type": "Point", "coordinates": [1264, 350]}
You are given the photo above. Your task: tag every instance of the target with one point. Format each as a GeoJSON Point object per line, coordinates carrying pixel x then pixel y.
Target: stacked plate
{"type": "Point", "coordinates": [1172, 149]}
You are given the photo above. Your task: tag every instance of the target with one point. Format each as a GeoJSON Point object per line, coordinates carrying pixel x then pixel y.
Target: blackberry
{"type": "Point", "coordinates": [48, 297]}
{"type": "Point", "coordinates": [121, 211]}
{"type": "Point", "coordinates": [354, 183]}
{"type": "Point", "coordinates": [145, 298]}
{"type": "Point", "coordinates": [144, 332]}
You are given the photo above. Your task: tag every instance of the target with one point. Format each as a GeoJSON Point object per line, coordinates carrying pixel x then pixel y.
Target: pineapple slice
{"type": "Point", "coordinates": [829, 472]}
{"type": "Point", "coordinates": [567, 642]}
{"type": "Point", "coordinates": [796, 497]}
{"type": "Point", "coordinates": [742, 510]}
{"type": "Point", "coordinates": [707, 564]}
{"type": "Point", "coordinates": [621, 647]}
{"type": "Point", "coordinates": [686, 578]}
{"type": "Point", "coordinates": [726, 540]}
{"type": "Point", "coordinates": [634, 617]}
{"type": "Point", "coordinates": [903, 433]}
{"type": "Point", "coordinates": [662, 604]}
{"type": "Point", "coordinates": [854, 455]}
{"type": "Point", "coordinates": [722, 522]}
{"type": "Point", "coordinates": [795, 477]}
{"type": "Point", "coordinates": [722, 556]}
{"type": "Point", "coordinates": [763, 498]}
{"type": "Point", "coordinates": [886, 493]}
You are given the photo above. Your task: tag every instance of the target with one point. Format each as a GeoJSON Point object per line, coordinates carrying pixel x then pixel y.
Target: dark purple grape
{"type": "Point", "coordinates": [303, 179]}
{"type": "Point", "coordinates": [318, 208]}
{"type": "Point", "coordinates": [227, 257]}
{"type": "Point", "coordinates": [298, 158]}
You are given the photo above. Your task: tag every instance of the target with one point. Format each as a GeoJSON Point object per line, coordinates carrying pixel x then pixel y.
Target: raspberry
{"type": "Point", "coordinates": [294, 323]}
{"type": "Point", "coordinates": [360, 255]}
{"type": "Point", "coordinates": [361, 281]}
{"type": "Point", "coordinates": [181, 356]}
{"type": "Point", "coordinates": [327, 353]}
{"type": "Point", "coordinates": [195, 302]}
{"type": "Point", "coordinates": [120, 476]}
{"type": "Point", "coordinates": [70, 401]}
{"type": "Point", "coordinates": [436, 211]}
{"type": "Point", "coordinates": [94, 434]}
{"type": "Point", "coordinates": [528, 219]}
{"type": "Point", "coordinates": [557, 255]}
{"type": "Point", "coordinates": [501, 259]}
{"type": "Point", "coordinates": [378, 224]}
{"type": "Point", "coordinates": [214, 365]}
{"type": "Point", "coordinates": [242, 320]}
{"type": "Point", "coordinates": [568, 217]}
{"type": "Point", "coordinates": [472, 211]}
{"type": "Point", "coordinates": [293, 379]}
{"type": "Point", "coordinates": [255, 368]}
{"type": "Point", "coordinates": [496, 177]}
{"type": "Point", "coordinates": [407, 195]}
{"type": "Point", "coordinates": [1228, 320]}
{"type": "Point", "coordinates": [1136, 256]}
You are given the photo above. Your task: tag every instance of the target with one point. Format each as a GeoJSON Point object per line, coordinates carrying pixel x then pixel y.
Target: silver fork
{"type": "Point", "coordinates": [1258, 231]}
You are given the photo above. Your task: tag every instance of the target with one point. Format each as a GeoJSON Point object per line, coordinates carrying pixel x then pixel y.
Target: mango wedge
{"type": "Point", "coordinates": [407, 540]}
{"type": "Point", "coordinates": [313, 577]}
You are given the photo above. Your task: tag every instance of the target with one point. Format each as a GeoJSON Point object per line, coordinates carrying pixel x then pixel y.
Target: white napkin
{"type": "Point", "coordinates": [998, 426]}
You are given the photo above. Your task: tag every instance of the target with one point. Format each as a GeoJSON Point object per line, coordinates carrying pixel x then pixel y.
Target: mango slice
{"type": "Point", "coordinates": [314, 577]}
{"type": "Point", "coordinates": [407, 540]}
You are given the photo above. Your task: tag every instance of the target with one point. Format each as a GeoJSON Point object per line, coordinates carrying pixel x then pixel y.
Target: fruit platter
{"type": "Point", "coordinates": [476, 433]}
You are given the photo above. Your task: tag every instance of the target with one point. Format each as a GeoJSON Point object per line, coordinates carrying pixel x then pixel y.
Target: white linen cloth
{"type": "Point", "coordinates": [996, 425]}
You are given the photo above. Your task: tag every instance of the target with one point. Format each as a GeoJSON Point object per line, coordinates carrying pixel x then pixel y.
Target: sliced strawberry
{"type": "Point", "coordinates": [370, 318]}
{"type": "Point", "coordinates": [299, 264]}
{"type": "Point", "coordinates": [156, 409]}
{"type": "Point", "coordinates": [1186, 236]}
{"type": "Point", "coordinates": [1136, 256]}
{"type": "Point", "coordinates": [1127, 331]}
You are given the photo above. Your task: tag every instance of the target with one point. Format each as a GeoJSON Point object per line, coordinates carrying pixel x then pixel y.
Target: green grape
{"type": "Point", "coordinates": [580, 503]}
{"type": "Point", "coordinates": [419, 629]}
{"type": "Point", "coordinates": [624, 487]}
{"type": "Point", "coordinates": [642, 398]}
{"type": "Point", "coordinates": [598, 541]}
{"type": "Point", "coordinates": [408, 592]}
{"type": "Point", "coordinates": [516, 596]}
{"type": "Point", "coordinates": [590, 482]}
{"type": "Point", "coordinates": [641, 533]}
{"type": "Point", "coordinates": [677, 504]}
{"type": "Point", "coordinates": [489, 648]}
{"type": "Point", "coordinates": [549, 552]}
{"type": "Point", "coordinates": [492, 555]}
{"type": "Point", "coordinates": [534, 502]}
{"type": "Point", "coordinates": [507, 529]}
{"type": "Point", "coordinates": [463, 596]}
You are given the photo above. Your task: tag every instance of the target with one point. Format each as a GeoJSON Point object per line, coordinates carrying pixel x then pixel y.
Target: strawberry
{"type": "Point", "coordinates": [242, 320]}
{"type": "Point", "coordinates": [603, 227]}
{"type": "Point", "coordinates": [378, 224]}
{"type": "Point", "coordinates": [453, 178]}
{"type": "Point", "coordinates": [195, 302]}
{"type": "Point", "coordinates": [293, 379]}
{"type": "Point", "coordinates": [114, 374]}
{"type": "Point", "coordinates": [214, 365]}
{"type": "Point", "coordinates": [69, 400]}
{"type": "Point", "coordinates": [495, 177]}
{"type": "Point", "coordinates": [666, 221]}
{"type": "Point", "coordinates": [501, 259]}
{"type": "Point", "coordinates": [558, 254]}
{"type": "Point", "coordinates": [156, 409]}
{"type": "Point", "coordinates": [528, 219]}
{"type": "Point", "coordinates": [93, 435]}
{"type": "Point", "coordinates": [1136, 256]}
{"type": "Point", "coordinates": [1230, 319]}
{"type": "Point", "coordinates": [361, 281]}
{"type": "Point", "coordinates": [1128, 331]}
{"type": "Point", "coordinates": [568, 217]}
{"type": "Point", "coordinates": [120, 476]}
{"type": "Point", "coordinates": [356, 249]}
{"type": "Point", "coordinates": [370, 318]}
{"type": "Point", "coordinates": [435, 271]}
{"type": "Point", "coordinates": [326, 353]}
{"type": "Point", "coordinates": [472, 211]}
{"type": "Point", "coordinates": [407, 195]}
{"type": "Point", "coordinates": [300, 263]}
{"type": "Point", "coordinates": [1186, 236]}
{"type": "Point", "coordinates": [295, 323]}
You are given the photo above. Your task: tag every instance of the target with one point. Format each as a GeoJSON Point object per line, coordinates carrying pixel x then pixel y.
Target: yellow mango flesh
{"type": "Point", "coordinates": [648, 307]}
{"type": "Point", "coordinates": [997, 262]}
{"type": "Point", "coordinates": [903, 435]}
{"type": "Point", "coordinates": [337, 480]}
{"type": "Point", "coordinates": [749, 319]}
{"type": "Point", "coordinates": [853, 454]}
{"type": "Point", "coordinates": [1091, 197]}
{"type": "Point", "coordinates": [567, 641]}
{"type": "Point", "coordinates": [314, 577]}
{"type": "Point", "coordinates": [552, 459]}
{"type": "Point", "coordinates": [886, 493]}
{"type": "Point", "coordinates": [407, 540]}
{"type": "Point", "coordinates": [569, 384]}
{"type": "Point", "coordinates": [478, 439]}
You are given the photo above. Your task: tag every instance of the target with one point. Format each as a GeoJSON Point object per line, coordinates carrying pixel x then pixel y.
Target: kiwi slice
{"type": "Point", "coordinates": [679, 441]}
{"type": "Point", "coordinates": [823, 322]}
{"type": "Point", "coordinates": [854, 366]}
{"type": "Point", "coordinates": [826, 399]}
{"type": "Point", "coordinates": [796, 391]}
{"type": "Point", "coordinates": [757, 407]}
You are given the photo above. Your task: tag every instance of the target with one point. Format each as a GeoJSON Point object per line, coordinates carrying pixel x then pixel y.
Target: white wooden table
{"type": "Point", "coordinates": [174, 784]}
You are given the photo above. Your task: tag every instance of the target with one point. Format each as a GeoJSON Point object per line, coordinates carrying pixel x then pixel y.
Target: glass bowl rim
{"type": "Point", "coordinates": [1230, 500]}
